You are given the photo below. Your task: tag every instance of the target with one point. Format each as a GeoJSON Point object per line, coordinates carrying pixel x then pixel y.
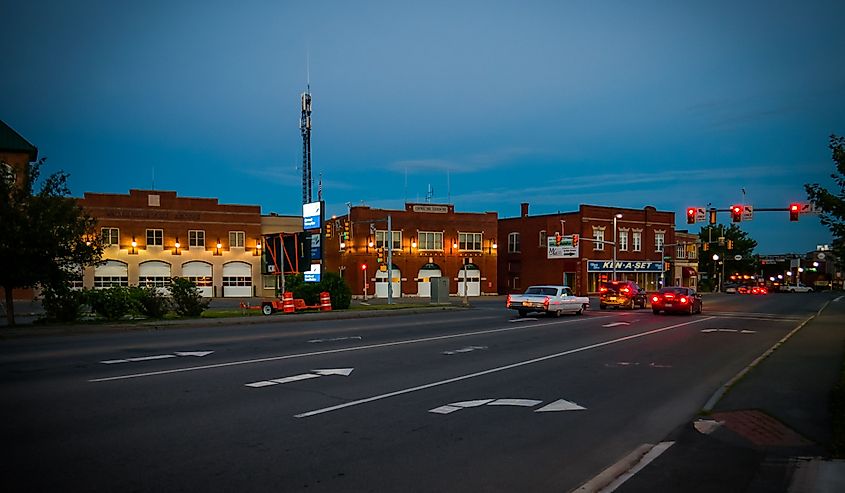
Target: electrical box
{"type": "Point", "coordinates": [439, 289]}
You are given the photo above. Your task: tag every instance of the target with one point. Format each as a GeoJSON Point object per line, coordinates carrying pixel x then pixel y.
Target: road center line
{"type": "Point", "coordinates": [341, 350]}
{"type": "Point", "coordinates": [495, 370]}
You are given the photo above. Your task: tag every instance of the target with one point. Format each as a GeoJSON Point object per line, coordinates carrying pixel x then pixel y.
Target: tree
{"type": "Point", "coordinates": [45, 237]}
{"type": "Point", "coordinates": [830, 204]}
{"type": "Point", "coordinates": [743, 245]}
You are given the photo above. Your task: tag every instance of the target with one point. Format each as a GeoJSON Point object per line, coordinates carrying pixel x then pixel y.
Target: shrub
{"type": "Point", "coordinates": [187, 300]}
{"type": "Point", "coordinates": [113, 303]}
{"type": "Point", "coordinates": [150, 301]}
{"type": "Point", "coordinates": [63, 304]}
{"type": "Point", "coordinates": [338, 289]}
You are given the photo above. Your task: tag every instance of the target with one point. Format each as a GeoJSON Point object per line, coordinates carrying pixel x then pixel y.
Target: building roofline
{"type": "Point", "coordinates": [10, 140]}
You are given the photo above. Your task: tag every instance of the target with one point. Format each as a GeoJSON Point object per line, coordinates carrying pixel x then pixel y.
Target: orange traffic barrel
{"type": "Point", "coordinates": [325, 301]}
{"type": "Point", "coordinates": [287, 300]}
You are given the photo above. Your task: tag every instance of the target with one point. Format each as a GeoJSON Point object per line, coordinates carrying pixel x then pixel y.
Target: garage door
{"type": "Point", "coordinates": [200, 274]}
{"type": "Point", "coordinates": [111, 273]}
{"type": "Point", "coordinates": [237, 280]}
{"type": "Point", "coordinates": [154, 274]}
{"type": "Point", "coordinates": [424, 279]}
{"type": "Point", "coordinates": [473, 281]}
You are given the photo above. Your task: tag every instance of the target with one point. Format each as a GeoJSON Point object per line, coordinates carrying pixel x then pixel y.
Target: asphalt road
{"type": "Point", "coordinates": [538, 404]}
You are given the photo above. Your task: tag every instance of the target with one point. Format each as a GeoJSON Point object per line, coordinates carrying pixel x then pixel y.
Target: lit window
{"type": "Point", "coordinates": [381, 235]}
{"type": "Point", "coordinates": [155, 237]}
{"type": "Point", "coordinates": [236, 239]}
{"type": "Point", "coordinates": [658, 241]}
{"type": "Point", "coordinates": [111, 236]}
{"type": "Point", "coordinates": [623, 241]}
{"type": "Point", "coordinates": [196, 238]}
{"type": "Point", "coordinates": [430, 240]}
{"type": "Point", "coordinates": [598, 234]}
{"type": "Point", "coordinates": [638, 241]}
{"type": "Point", "coordinates": [470, 242]}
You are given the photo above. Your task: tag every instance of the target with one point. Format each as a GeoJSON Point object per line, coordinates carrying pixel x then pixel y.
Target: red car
{"type": "Point", "coordinates": [676, 299]}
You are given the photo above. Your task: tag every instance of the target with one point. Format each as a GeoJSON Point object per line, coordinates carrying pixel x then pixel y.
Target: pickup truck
{"type": "Point", "coordinates": [796, 288]}
{"type": "Point", "coordinates": [552, 300]}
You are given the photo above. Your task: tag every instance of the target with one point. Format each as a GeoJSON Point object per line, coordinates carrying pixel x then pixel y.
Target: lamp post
{"type": "Point", "coordinates": [715, 267]}
{"type": "Point", "coordinates": [616, 216]}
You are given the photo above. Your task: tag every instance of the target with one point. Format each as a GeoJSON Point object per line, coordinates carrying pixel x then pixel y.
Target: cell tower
{"type": "Point", "coordinates": [305, 129]}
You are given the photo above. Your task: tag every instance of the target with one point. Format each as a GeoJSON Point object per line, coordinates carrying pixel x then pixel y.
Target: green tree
{"type": "Point", "coordinates": [743, 245]}
{"type": "Point", "coordinates": [832, 204]}
{"type": "Point", "coordinates": [45, 236]}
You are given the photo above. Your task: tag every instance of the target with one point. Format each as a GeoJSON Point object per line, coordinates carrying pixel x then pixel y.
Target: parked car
{"type": "Point", "coordinates": [625, 294]}
{"type": "Point", "coordinates": [676, 299]}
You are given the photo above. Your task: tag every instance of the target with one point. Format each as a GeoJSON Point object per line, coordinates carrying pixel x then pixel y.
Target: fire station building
{"type": "Point", "coordinates": [428, 240]}
{"type": "Point", "coordinates": [637, 238]}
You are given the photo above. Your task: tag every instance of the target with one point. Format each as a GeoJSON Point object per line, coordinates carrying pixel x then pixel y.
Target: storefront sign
{"type": "Point", "coordinates": [623, 266]}
{"type": "Point", "coordinates": [440, 209]}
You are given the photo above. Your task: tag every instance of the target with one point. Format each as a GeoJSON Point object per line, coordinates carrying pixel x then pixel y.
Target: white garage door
{"type": "Point", "coordinates": [237, 280]}
{"type": "Point", "coordinates": [154, 273]}
{"type": "Point", "coordinates": [111, 273]}
{"type": "Point", "coordinates": [424, 279]}
{"type": "Point", "coordinates": [473, 281]}
{"type": "Point", "coordinates": [200, 274]}
{"type": "Point", "coordinates": [381, 283]}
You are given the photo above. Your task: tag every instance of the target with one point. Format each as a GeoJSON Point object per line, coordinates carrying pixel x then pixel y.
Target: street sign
{"type": "Point", "coordinates": [737, 257]}
{"type": "Point", "coordinates": [747, 212]}
{"type": "Point", "coordinates": [808, 208]}
{"type": "Point", "coordinates": [700, 214]}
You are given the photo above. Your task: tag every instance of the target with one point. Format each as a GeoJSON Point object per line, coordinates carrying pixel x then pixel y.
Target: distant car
{"type": "Point", "coordinates": [625, 294]}
{"type": "Point", "coordinates": [796, 288]}
{"type": "Point", "coordinates": [676, 299]}
{"type": "Point", "coordinates": [759, 290]}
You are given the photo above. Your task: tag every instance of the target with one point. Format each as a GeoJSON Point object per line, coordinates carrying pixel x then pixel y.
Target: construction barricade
{"type": "Point", "coordinates": [325, 301]}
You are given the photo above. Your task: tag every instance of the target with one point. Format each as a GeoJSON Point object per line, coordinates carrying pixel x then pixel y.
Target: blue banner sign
{"type": "Point", "coordinates": [311, 215]}
{"type": "Point", "coordinates": [623, 266]}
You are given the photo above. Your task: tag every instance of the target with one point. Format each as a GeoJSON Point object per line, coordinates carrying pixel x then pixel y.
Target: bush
{"type": "Point", "coordinates": [63, 304]}
{"type": "Point", "coordinates": [338, 289]}
{"type": "Point", "coordinates": [113, 303]}
{"type": "Point", "coordinates": [150, 301]}
{"type": "Point", "coordinates": [187, 300]}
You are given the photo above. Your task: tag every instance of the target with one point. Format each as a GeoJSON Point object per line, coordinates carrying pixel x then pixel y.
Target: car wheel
{"type": "Point", "coordinates": [603, 307]}
{"type": "Point", "coordinates": [581, 311]}
{"type": "Point", "coordinates": [691, 309]}
{"type": "Point", "coordinates": [554, 313]}
{"type": "Point", "coordinates": [631, 304]}
{"type": "Point", "coordinates": [655, 311]}
{"type": "Point", "coordinates": [522, 313]}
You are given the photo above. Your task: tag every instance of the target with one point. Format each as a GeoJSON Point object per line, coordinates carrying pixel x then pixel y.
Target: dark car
{"type": "Point", "coordinates": [624, 294]}
{"type": "Point", "coordinates": [677, 300]}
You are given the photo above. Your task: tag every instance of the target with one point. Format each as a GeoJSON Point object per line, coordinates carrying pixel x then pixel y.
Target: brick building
{"type": "Point", "coordinates": [429, 240]}
{"type": "Point", "coordinates": [684, 260]}
{"type": "Point", "coordinates": [151, 236]}
{"type": "Point", "coordinates": [641, 233]}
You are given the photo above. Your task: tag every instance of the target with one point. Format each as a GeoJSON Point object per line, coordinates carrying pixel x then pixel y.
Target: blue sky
{"type": "Point", "coordinates": [619, 103]}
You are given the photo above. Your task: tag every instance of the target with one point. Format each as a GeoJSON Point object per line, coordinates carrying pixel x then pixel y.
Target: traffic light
{"type": "Point", "coordinates": [712, 216]}
{"type": "Point", "coordinates": [691, 215]}
{"type": "Point", "coordinates": [794, 210]}
{"type": "Point", "coordinates": [575, 239]}
{"type": "Point", "coordinates": [730, 244]}
{"type": "Point", "coordinates": [364, 267]}
{"type": "Point", "coordinates": [705, 246]}
{"type": "Point", "coordinates": [557, 239]}
{"type": "Point", "coordinates": [329, 229]}
{"type": "Point", "coordinates": [736, 213]}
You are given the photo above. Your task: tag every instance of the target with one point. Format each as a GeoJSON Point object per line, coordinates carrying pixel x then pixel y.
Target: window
{"type": "Point", "coordinates": [681, 251]}
{"type": "Point", "coordinates": [693, 251]}
{"type": "Point", "coordinates": [202, 281]}
{"type": "Point", "coordinates": [513, 242]}
{"type": "Point", "coordinates": [196, 238]}
{"type": "Point", "coordinates": [236, 239]}
{"type": "Point", "coordinates": [638, 241]}
{"type": "Point", "coordinates": [543, 239]}
{"type": "Point", "coordinates": [237, 281]}
{"type": "Point", "coordinates": [598, 234]}
{"type": "Point", "coordinates": [430, 240]}
{"type": "Point", "coordinates": [111, 236]}
{"type": "Point", "coordinates": [658, 241]}
{"type": "Point", "coordinates": [155, 237]}
{"type": "Point", "coordinates": [153, 281]}
{"type": "Point", "coordinates": [7, 172]}
{"type": "Point", "coordinates": [623, 240]}
{"type": "Point", "coordinates": [109, 281]}
{"type": "Point", "coordinates": [470, 242]}
{"type": "Point", "coordinates": [381, 236]}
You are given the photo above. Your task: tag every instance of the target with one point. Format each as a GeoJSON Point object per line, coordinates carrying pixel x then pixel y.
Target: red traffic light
{"type": "Point", "coordinates": [363, 266]}
{"type": "Point", "coordinates": [691, 215]}
{"type": "Point", "coordinates": [736, 213]}
{"type": "Point", "coordinates": [794, 210]}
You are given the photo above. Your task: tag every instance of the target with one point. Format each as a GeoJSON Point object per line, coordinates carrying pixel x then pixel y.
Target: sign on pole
{"type": "Point", "coordinates": [562, 247]}
{"type": "Point", "coordinates": [747, 212]}
{"type": "Point", "coordinates": [700, 214]}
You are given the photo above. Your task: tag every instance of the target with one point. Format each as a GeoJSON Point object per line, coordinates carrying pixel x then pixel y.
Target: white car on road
{"type": "Point", "coordinates": [552, 300]}
{"type": "Point", "coordinates": [797, 288]}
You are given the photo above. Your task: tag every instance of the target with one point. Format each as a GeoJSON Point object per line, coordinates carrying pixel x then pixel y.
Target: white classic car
{"type": "Point", "coordinates": [552, 300]}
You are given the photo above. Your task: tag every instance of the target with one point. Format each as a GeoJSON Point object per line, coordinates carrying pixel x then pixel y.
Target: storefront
{"type": "Point", "coordinates": [645, 274]}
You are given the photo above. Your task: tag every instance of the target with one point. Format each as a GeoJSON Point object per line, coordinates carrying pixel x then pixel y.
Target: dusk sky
{"type": "Point", "coordinates": [558, 103]}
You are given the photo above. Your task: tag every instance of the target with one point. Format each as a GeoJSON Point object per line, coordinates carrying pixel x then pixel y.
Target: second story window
{"type": "Point", "coordinates": [623, 240]}
{"type": "Point", "coordinates": [236, 239]}
{"type": "Point", "coordinates": [513, 242]}
{"type": "Point", "coordinates": [196, 238]}
{"type": "Point", "coordinates": [381, 239]}
{"type": "Point", "coordinates": [681, 251]}
{"type": "Point", "coordinates": [155, 237]}
{"type": "Point", "coordinates": [111, 236]}
{"type": "Point", "coordinates": [638, 241]}
{"type": "Point", "coordinates": [430, 240]}
{"type": "Point", "coordinates": [469, 242]}
{"type": "Point", "coordinates": [544, 239]}
{"type": "Point", "coordinates": [658, 241]}
{"type": "Point", "coordinates": [598, 234]}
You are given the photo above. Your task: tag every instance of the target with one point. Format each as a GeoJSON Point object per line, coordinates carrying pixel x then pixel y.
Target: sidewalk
{"type": "Point", "coordinates": [771, 432]}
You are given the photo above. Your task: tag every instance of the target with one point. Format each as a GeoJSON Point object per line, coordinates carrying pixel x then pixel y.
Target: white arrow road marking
{"type": "Point", "coordinates": [158, 356]}
{"type": "Point", "coordinates": [475, 403]}
{"type": "Point", "coordinates": [444, 409]}
{"type": "Point", "coordinates": [515, 402]}
{"type": "Point", "coordinates": [305, 376]}
{"type": "Point", "coordinates": [560, 405]}
{"type": "Point", "coordinates": [464, 350]}
{"type": "Point", "coordinates": [707, 426]}
{"type": "Point", "coordinates": [621, 363]}
{"type": "Point", "coordinates": [616, 324]}
{"type": "Point", "coordinates": [728, 330]}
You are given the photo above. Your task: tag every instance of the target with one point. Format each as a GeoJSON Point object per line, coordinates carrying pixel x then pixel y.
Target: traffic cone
{"type": "Point", "coordinates": [325, 301]}
{"type": "Point", "coordinates": [287, 301]}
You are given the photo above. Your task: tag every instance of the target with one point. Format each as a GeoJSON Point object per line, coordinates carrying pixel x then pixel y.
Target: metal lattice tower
{"type": "Point", "coordinates": [305, 129]}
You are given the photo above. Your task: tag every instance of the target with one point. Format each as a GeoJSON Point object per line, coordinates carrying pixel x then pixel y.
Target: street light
{"type": "Point", "coordinates": [616, 216]}
{"type": "Point", "coordinates": [715, 270]}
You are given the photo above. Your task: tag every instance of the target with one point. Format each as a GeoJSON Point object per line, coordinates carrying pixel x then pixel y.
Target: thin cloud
{"type": "Point", "coordinates": [469, 164]}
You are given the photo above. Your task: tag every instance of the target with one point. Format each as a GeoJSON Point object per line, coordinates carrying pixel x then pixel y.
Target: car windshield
{"type": "Point", "coordinates": [541, 291]}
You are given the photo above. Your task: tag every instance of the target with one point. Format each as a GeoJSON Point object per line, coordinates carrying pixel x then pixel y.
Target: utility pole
{"type": "Point", "coordinates": [305, 130]}
{"type": "Point", "coordinates": [389, 260]}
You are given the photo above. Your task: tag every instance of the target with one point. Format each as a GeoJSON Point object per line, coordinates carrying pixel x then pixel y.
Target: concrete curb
{"type": "Point", "coordinates": [609, 475]}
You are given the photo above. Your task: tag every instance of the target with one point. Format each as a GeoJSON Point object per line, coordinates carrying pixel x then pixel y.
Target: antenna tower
{"type": "Point", "coordinates": [305, 129]}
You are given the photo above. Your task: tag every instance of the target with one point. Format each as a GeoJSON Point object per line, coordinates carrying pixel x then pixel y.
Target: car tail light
{"type": "Point", "coordinates": [508, 302]}
{"type": "Point", "coordinates": [683, 300]}
{"type": "Point", "coordinates": [602, 289]}
{"type": "Point", "coordinates": [625, 290]}
{"type": "Point", "coordinates": [546, 302]}
{"type": "Point", "coordinates": [655, 299]}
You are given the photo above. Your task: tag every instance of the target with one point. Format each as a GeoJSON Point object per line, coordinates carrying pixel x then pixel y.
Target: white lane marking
{"type": "Point", "coordinates": [335, 339]}
{"type": "Point", "coordinates": [658, 365]}
{"type": "Point", "coordinates": [838, 299]}
{"type": "Point", "coordinates": [444, 409]}
{"type": "Point", "coordinates": [339, 350]}
{"type": "Point", "coordinates": [498, 369]}
{"type": "Point", "coordinates": [728, 330]}
{"type": "Point", "coordinates": [560, 405]}
{"type": "Point", "coordinates": [305, 376]}
{"type": "Point", "coordinates": [748, 332]}
{"type": "Point", "coordinates": [526, 319]}
{"type": "Point", "coordinates": [616, 324]}
{"type": "Point", "coordinates": [652, 454]}
{"type": "Point", "coordinates": [709, 330]}
{"type": "Point", "coordinates": [475, 403]}
{"type": "Point", "coordinates": [515, 402]}
{"type": "Point", "coordinates": [706, 426]}
{"type": "Point", "coordinates": [464, 350]}
{"type": "Point", "coordinates": [620, 363]}
{"type": "Point", "coordinates": [158, 356]}
{"type": "Point", "coordinates": [757, 316]}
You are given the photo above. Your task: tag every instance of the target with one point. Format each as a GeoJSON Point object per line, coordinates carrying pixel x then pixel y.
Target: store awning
{"type": "Point", "coordinates": [689, 272]}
